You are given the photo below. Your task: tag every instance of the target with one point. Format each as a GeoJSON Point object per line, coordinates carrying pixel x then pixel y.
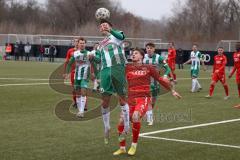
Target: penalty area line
{"type": "Point", "coordinates": [188, 127]}
{"type": "Point", "coordinates": [192, 142]}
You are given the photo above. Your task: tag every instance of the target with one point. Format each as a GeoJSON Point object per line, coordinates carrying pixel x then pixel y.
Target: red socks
{"type": "Point", "coordinates": [226, 89]}
{"type": "Point", "coordinates": [135, 131]}
{"type": "Point", "coordinates": [211, 89]}
{"type": "Point", "coordinates": [74, 96]}
{"type": "Point", "coordinates": [120, 130]}
{"type": "Point", "coordinates": [174, 76]}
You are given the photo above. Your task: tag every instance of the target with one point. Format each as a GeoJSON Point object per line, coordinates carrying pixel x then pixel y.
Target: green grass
{"type": "Point", "coordinates": [30, 130]}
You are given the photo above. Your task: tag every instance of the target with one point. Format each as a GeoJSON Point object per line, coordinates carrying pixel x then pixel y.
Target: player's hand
{"type": "Point", "coordinates": [90, 56]}
{"type": "Point", "coordinates": [176, 94]}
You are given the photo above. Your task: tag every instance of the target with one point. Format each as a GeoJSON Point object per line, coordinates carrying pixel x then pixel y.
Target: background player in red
{"type": "Point", "coordinates": [236, 58]}
{"type": "Point", "coordinates": [68, 56]}
{"type": "Point", "coordinates": [172, 59]}
{"type": "Point", "coordinates": [138, 76]}
{"type": "Point", "coordinates": [220, 61]}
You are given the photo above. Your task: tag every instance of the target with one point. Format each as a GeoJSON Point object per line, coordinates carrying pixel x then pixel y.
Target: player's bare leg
{"type": "Point", "coordinates": [237, 106]}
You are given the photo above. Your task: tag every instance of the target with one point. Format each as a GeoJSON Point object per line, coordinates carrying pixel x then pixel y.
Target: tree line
{"type": "Point", "coordinates": [193, 21]}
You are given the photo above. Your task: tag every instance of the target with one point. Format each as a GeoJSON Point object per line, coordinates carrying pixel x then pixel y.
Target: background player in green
{"type": "Point", "coordinates": [82, 72]}
{"type": "Point", "coordinates": [96, 69]}
{"type": "Point", "coordinates": [112, 75]}
{"type": "Point", "coordinates": [196, 58]}
{"type": "Point", "coordinates": [154, 59]}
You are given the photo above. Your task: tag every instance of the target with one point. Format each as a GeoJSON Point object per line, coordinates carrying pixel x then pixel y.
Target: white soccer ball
{"type": "Point", "coordinates": [102, 13]}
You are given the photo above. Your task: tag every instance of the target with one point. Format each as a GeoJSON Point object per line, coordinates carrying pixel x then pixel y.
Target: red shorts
{"type": "Point", "coordinates": [219, 77]}
{"type": "Point", "coordinates": [72, 78]}
{"type": "Point", "coordinates": [139, 104]}
{"type": "Point", "coordinates": [172, 66]}
{"type": "Point", "coordinates": [238, 78]}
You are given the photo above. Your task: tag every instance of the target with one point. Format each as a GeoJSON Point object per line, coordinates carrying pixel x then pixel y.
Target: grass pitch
{"type": "Point", "coordinates": [29, 128]}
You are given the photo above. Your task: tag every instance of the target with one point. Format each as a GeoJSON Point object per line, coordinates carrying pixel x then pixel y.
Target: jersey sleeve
{"type": "Point", "coordinates": [117, 34]}
{"type": "Point", "coordinates": [161, 60]}
{"type": "Point", "coordinates": [97, 57]}
{"type": "Point", "coordinates": [156, 76]}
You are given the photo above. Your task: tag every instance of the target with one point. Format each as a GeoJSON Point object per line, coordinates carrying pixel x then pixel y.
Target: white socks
{"type": "Point", "coordinates": [195, 85]}
{"type": "Point", "coordinates": [149, 115]}
{"type": "Point", "coordinates": [126, 117]}
{"type": "Point", "coordinates": [95, 84]}
{"type": "Point", "coordinates": [81, 102]}
{"type": "Point", "coordinates": [106, 118]}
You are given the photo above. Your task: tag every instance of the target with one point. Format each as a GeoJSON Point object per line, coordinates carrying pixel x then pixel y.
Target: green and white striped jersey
{"type": "Point", "coordinates": [196, 60]}
{"type": "Point", "coordinates": [111, 50]}
{"type": "Point", "coordinates": [96, 66]}
{"type": "Point", "coordinates": [82, 64]}
{"type": "Point", "coordinates": [157, 60]}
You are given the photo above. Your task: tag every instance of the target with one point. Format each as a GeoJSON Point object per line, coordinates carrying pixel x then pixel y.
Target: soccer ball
{"type": "Point", "coordinates": [102, 13]}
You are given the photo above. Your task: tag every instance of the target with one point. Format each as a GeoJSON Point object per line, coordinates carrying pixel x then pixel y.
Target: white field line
{"type": "Point", "coordinates": [193, 142]}
{"type": "Point", "coordinates": [188, 127]}
{"type": "Point", "coordinates": [30, 79]}
{"type": "Point", "coordinates": [29, 84]}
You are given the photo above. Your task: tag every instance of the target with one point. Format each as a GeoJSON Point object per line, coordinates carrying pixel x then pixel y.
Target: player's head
{"type": "Point", "coordinates": [150, 49]}
{"type": "Point", "coordinates": [104, 24]}
{"type": "Point", "coordinates": [195, 47]}
{"type": "Point", "coordinates": [220, 50]}
{"type": "Point", "coordinates": [82, 43]}
{"type": "Point", "coordinates": [75, 43]}
{"type": "Point", "coordinates": [137, 55]}
{"type": "Point", "coordinates": [95, 46]}
{"type": "Point", "coordinates": [238, 47]}
{"type": "Point", "coordinates": [171, 44]}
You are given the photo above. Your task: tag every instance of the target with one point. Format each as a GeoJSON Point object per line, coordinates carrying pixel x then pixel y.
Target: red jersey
{"type": "Point", "coordinates": [236, 59]}
{"type": "Point", "coordinates": [139, 80]}
{"type": "Point", "coordinates": [68, 56]}
{"type": "Point", "coordinates": [172, 55]}
{"type": "Point", "coordinates": [220, 62]}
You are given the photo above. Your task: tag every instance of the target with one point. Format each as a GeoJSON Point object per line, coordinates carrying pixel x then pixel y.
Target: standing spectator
{"type": "Point", "coordinates": [52, 52]}
{"type": "Point", "coordinates": [27, 50]}
{"type": "Point", "coordinates": [16, 51]}
{"type": "Point", "coordinates": [41, 51]}
{"type": "Point", "coordinates": [21, 50]}
{"type": "Point", "coordinates": [180, 58]}
{"type": "Point", "coordinates": [8, 50]}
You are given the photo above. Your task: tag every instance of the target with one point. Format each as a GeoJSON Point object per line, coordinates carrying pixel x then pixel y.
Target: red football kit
{"type": "Point", "coordinates": [139, 82]}
{"type": "Point", "coordinates": [172, 61]}
{"type": "Point", "coordinates": [70, 53]}
{"type": "Point", "coordinates": [220, 62]}
{"type": "Point", "coordinates": [236, 58]}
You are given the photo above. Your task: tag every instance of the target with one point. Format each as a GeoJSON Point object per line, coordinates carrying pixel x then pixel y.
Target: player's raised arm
{"type": "Point", "coordinates": [187, 62]}
{"type": "Point", "coordinates": [165, 66]}
{"type": "Point", "coordinates": [165, 83]}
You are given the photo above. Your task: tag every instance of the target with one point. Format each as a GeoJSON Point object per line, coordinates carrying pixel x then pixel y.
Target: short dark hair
{"type": "Point", "coordinates": [140, 51]}
{"type": "Point", "coordinates": [105, 21]}
{"type": "Point", "coordinates": [220, 48]}
{"type": "Point", "coordinates": [150, 44]}
{"type": "Point", "coordinates": [82, 39]}
{"type": "Point", "coordinates": [171, 42]}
